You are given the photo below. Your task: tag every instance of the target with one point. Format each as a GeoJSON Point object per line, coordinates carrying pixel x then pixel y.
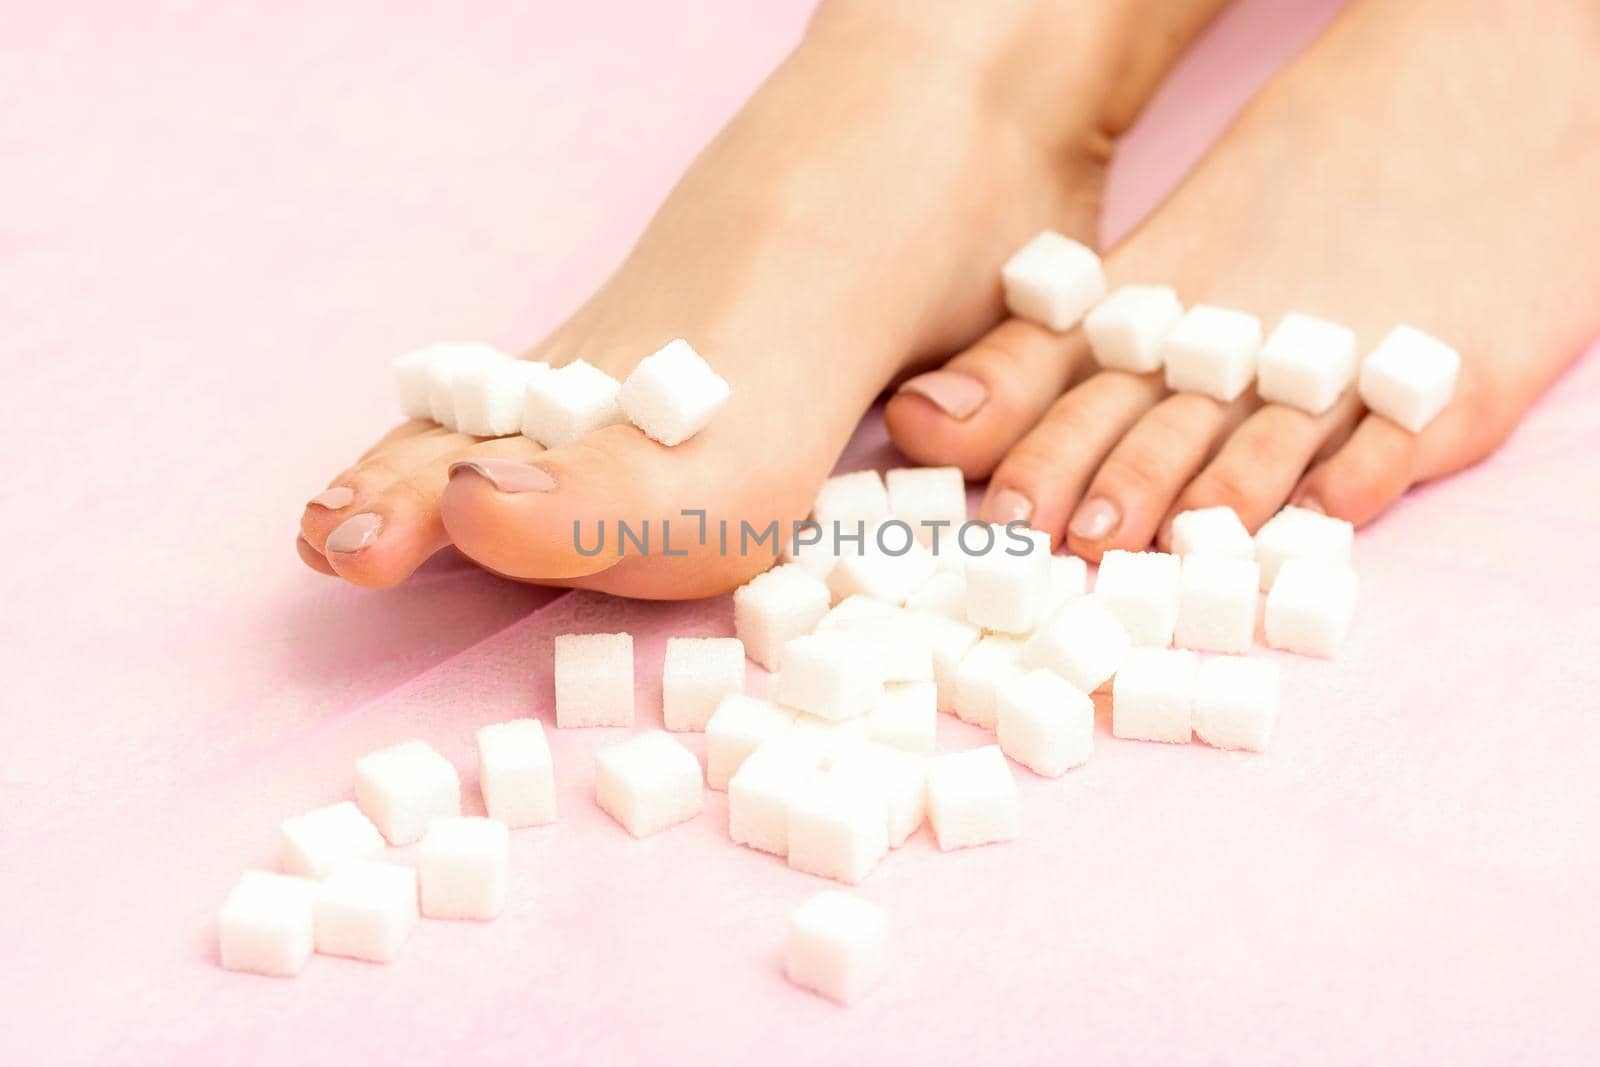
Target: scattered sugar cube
{"type": "Point", "coordinates": [923, 497]}
{"type": "Point", "coordinates": [1212, 350]}
{"type": "Point", "coordinates": [1069, 580]}
{"type": "Point", "coordinates": [1152, 694]}
{"type": "Point", "coordinates": [993, 661]}
{"type": "Point", "coordinates": [759, 792]}
{"type": "Point", "coordinates": [855, 608]}
{"type": "Point", "coordinates": [837, 945]}
{"type": "Point", "coordinates": [1141, 589]}
{"type": "Point", "coordinates": [695, 675]}
{"type": "Point", "coordinates": [889, 567]}
{"type": "Point", "coordinates": [1045, 723]}
{"type": "Point", "coordinates": [828, 737]}
{"type": "Point", "coordinates": [1053, 280]}
{"type": "Point", "coordinates": [1310, 607]}
{"type": "Point", "coordinates": [569, 402]}
{"type": "Point", "coordinates": [1299, 533]}
{"type": "Point", "coordinates": [857, 497]}
{"type": "Point", "coordinates": [403, 786]}
{"type": "Point", "coordinates": [594, 679]}
{"type": "Point", "coordinates": [908, 717]}
{"type": "Point", "coordinates": [1007, 585]}
{"type": "Point", "coordinates": [900, 776]}
{"type": "Point", "coordinates": [489, 395]}
{"type": "Point", "coordinates": [411, 382]}
{"type": "Point", "coordinates": [463, 865]}
{"type": "Point", "coordinates": [267, 925]}
{"type": "Point", "coordinates": [444, 362]}
{"type": "Point", "coordinates": [945, 593]}
{"type": "Point", "coordinates": [776, 606]}
{"type": "Point", "coordinates": [516, 773]}
{"type": "Point", "coordinates": [1409, 377]}
{"type": "Point", "coordinates": [1211, 532]}
{"type": "Point", "coordinates": [1217, 604]}
{"type": "Point", "coordinates": [648, 783]}
{"type": "Point", "coordinates": [1084, 644]}
{"type": "Point", "coordinates": [673, 393]}
{"type": "Point", "coordinates": [365, 911]}
{"type": "Point", "coordinates": [831, 674]}
{"type": "Point", "coordinates": [1306, 363]}
{"type": "Point", "coordinates": [1236, 702]}
{"type": "Point", "coordinates": [740, 725]}
{"type": "Point", "coordinates": [810, 546]}
{"type": "Point", "coordinates": [972, 798]}
{"type": "Point", "coordinates": [838, 827]}
{"type": "Point", "coordinates": [900, 643]}
{"type": "Point", "coordinates": [949, 641]}
{"type": "Point", "coordinates": [313, 844]}
{"type": "Point", "coordinates": [1126, 329]}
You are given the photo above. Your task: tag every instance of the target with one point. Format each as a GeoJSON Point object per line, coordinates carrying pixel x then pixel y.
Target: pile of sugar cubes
{"type": "Point", "coordinates": [477, 389]}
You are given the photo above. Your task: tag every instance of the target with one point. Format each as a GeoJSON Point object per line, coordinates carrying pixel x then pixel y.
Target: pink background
{"type": "Point", "coordinates": [221, 221]}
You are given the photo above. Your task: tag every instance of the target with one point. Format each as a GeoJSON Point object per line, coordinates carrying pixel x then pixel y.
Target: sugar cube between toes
{"type": "Point", "coordinates": [489, 395]}
{"type": "Point", "coordinates": [267, 925]}
{"type": "Point", "coordinates": [1310, 607]}
{"type": "Point", "coordinates": [1127, 328]}
{"type": "Point", "coordinates": [594, 679]}
{"type": "Point", "coordinates": [972, 798]}
{"type": "Point", "coordinates": [931, 500]}
{"type": "Point", "coordinates": [1212, 351]}
{"type": "Point", "coordinates": [1152, 695]}
{"type": "Point", "coordinates": [1236, 702]}
{"type": "Point", "coordinates": [740, 725]}
{"type": "Point", "coordinates": [569, 402]}
{"type": "Point", "coordinates": [411, 382]}
{"type": "Point", "coordinates": [444, 362]}
{"type": "Point", "coordinates": [1084, 643]}
{"type": "Point", "coordinates": [775, 607]}
{"type": "Point", "coordinates": [365, 911]}
{"type": "Point", "coordinates": [648, 783]}
{"type": "Point", "coordinates": [695, 675]}
{"type": "Point", "coordinates": [1217, 604]}
{"type": "Point", "coordinates": [837, 827]}
{"type": "Point", "coordinates": [672, 393]}
{"type": "Point", "coordinates": [516, 773]}
{"type": "Point", "coordinates": [1409, 377]}
{"type": "Point", "coordinates": [1053, 281]}
{"type": "Point", "coordinates": [837, 945]}
{"type": "Point", "coordinates": [1141, 590]}
{"type": "Point", "coordinates": [463, 866]}
{"type": "Point", "coordinates": [1045, 723]}
{"type": "Point", "coordinates": [313, 844]}
{"type": "Point", "coordinates": [830, 674]}
{"type": "Point", "coordinates": [1215, 531]}
{"type": "Point", "coordinates": [1306, 363]}
{"type": "Point", "coordinates": [1299, 533]}
{"type": "Point", "coordinates": [402, 787]}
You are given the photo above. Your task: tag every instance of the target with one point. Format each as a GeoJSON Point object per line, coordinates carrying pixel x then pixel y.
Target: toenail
{"type": "Point", "coordinates": [957, 395]}
{"type": "Point", "coordinates": [355, 533]}
{"type": "Point", "coordinates": [1008, 505]}
{"type": "Point", "coordinates": [507, 475]}
{"type": "Point", "coordinates": [1311, 503]}
{"type": "Point", "coordinates": [334, 499]}
{"type": "Point", "coordinates": [1095, 519]}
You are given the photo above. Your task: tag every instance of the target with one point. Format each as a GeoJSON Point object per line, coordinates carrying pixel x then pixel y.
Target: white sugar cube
{"type": "Point", "coordinates": [1152, 694]}
{"type": "Point", "coordinates": [740, 725]}
{"type": "Point", "coordinates": [516, 773]}
{"type": "Point", "coordinates": [830, 674]}
{"type": "Point", "coordinates": [889, 566]}
{"type": "Point", "coordinates": [1069, 580]}
{"type": "Point", "coordinates": [267, 925]}
{"type": "Point", "coordinates": [949, 641]}
{"type": "Point", "coordinates": [411, 383]}
{"type": "Point", "coordinates": [900, 776]}
{"type": "Point", "coordinates": [972, 798]}
{"type": "Point", "coordinates": [1214, 531]}
{"type": "Point", "coordinates": [594, 679]}
{"type": "Point", "coordinates": [1409, 377]}
{"type": "Point", "coordinates": [463, 865]}
{"type": "Point", "coordinates": [945, 593]}
{"type": "Point", "coordinates": [828, 737]}
{"type": "Point", "coordinates": [313, 844]}
{"type": "Point", "coordinates": [1217, 604]}
{"type": "Point", "coordinates": [809, 546]}
{"type": "Point", "coordinates": [487, 395]}
{"type": "Point", "coordinates": [696, 674]}
{"type": "Point", "coordinates": [776, 606]}
{"type": "Point", "coordinates": [1141, 590]}
{"type": "Point", "coordinates": [648, 783]}
{"type": "Point", "coordinates": [1045, 723]}
{"type": "Point", "coordinates": [402, 787]}
{"type": "Point", "coordinates": [365, 911]}
{"type": "Point", "coordinates": [1053, 280]}
{"type": "Point", "coordinates": [444, 362]}
{"type": "Point", "coordinates": [672, 393]}
{"type": "Point", "coordinates": [569, 402]}
{"type": "Point", "coordinates": [838, 827]}
{"type": "Point", "coordinates": [759, 792]}
{"type": "Point", "coordinates": [1310, 607]}
{"type": "Point", "coordinates": [900, 643]}
{"type": "Point", "coordinates": [1213, 351]}
{"type": "Point", "coordinates": [837, 945]}
{"type": "Point", "coordinates": [857, 497]}
{"type": "Point", "coordinates": [908, 717]}
{"type": "Point", "coordinates": [1299, 533]}
{"type": "Point", "coordinates": [1306, 363]}
{"type": "Point", "coordinates": [984, 671]}
{"type": "Point", "coordinates": [1127, 328]}
{"type": "Point", "coordinates": [855, 608]}
{"type": "Point", "coordinates": [1084, 643]}
{"type": "Point", "coordinates": [1007, 584]}
{"type": "Point", "coordinates": [1236, 702]}
{"type": "Point", "coordinates": [931, 500]}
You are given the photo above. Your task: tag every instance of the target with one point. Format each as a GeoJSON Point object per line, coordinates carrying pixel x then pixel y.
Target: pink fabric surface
{"type": "Point", "coordinates": [221, 221]}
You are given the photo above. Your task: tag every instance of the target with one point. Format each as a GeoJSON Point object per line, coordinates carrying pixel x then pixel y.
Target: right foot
{"type": "Point", "coordinates": [848, 224]}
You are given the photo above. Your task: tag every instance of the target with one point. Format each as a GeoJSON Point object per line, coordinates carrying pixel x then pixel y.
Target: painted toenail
{"type": "Point", "coordinates": [957, 395]}
{"type": "Point", "coordinates": [334, 499]}
{"type": "Point", "coordinates": [1095, 519]}
{"type": "Point", "coordinates": [507, 475]}
{"type": "Point", "coordinates": [355, 533]}
{"type": "Point", "coordinates": [1008, 505]}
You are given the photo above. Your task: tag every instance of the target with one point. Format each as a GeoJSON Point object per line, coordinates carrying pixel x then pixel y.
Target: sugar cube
{"type": "Point", "coordinates": [759, 792]}
{"type": "Point", "coordinates": [1409, 377]}
{"type": "Point", "coordinates": [889, 567]}
{"type": "Point", "coordinates": [648, 783]}
{"type": "Point", "coordinates": [774, 607]}
{"type": "Point", "coordinates": [444, 362]}
{"type": "Point", "coordinates": [829, 673]}
{"type": "Point", "coordinates": [901, 777]}
{"type": "Point", "coordinates": [1084, 643]}
{"type": "Point", "coordinates": [1236, 702]}
{"type": "Point", "coordinates": [972, 798]}
{"type": "Point", "coordinates": [366, 910]}
{"type": "Point", "coordinates": [1045, 723]}
{"type": "Point", "coordinates": [672, 393]}
{"type": "Point", "coordinates": [516, 773]}
{"type": "Point", "coordinates": [1306, 363]}
{"type": "Point", "coordinates": [949, 641]}
{"type": "Point", "coordinates": [594, 679]}
{"type": "Point", "coordinates": [857, 497]}
{"type": "Point", "coordinates": [1126, 329]}
{"type": "Point", "coordinates": [945, 593]}
{"type": "Point", "coordinates": [463, 864]}
{"type": "Point", "coordinates": [900, 643]}
{"type": "Point", "coordinates": [696, 674]}
{"type": "Point", "coordinates": [1069, 580]}
{"type": "Point", "coordinates": [1152, 694]}
{"type": "Point", "coordinates": [808, 545]}
{"type": "Point", "coordinates": [403, 786]}
{"type": "Point", "coordinates": [1217, 604]}
{"type": "Point", "coordinates": [1299, 533]}
{"type": "Point", "coordinates": [931, 500]}
{"type": "Point", "coordinates": [1215, 531]}
{"type": "Point", "coordinates": [838, 827]}
{"type": "Point", "coordinates": [1053, 280]}
{"type": "Point", "coordinates": [1141, 590]}
{"type": "Point", "coordinates": [993, 661]}
{"type": "Point", "coordinates": [411, 383]}
{"type": "Point", "coordinates": [313, 844]}
{"type": "Point", "coordinates": [908, 717]}
{"type": "Point", "coordinates": [267, 925]}
{"type": "Point", "coordinates": [1213, 351]}
{"type": "Point", "coordinates": [569, 402]}
{"type": "Point", "coordinates": [828, 737]}
{"type": "Point", "coordinates": [856, 608]}
{"type": "Point", "coordinates": [837, 945]}
{"type": "Point", "coordinates": [1007, 583]}
{"type": "Point", "coordinates": [489, 395]}
{"type": "Point", "coordinates": [740, 725]}
{"type": "Point", "coordinates": [1310, 607]}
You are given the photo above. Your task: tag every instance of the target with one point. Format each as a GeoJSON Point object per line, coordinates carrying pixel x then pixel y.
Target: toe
{"type": "Point", "coordinates": [1366, 474]}
{"type": "Point", "coordinates": [311, 557]}
{"type": "Point", "coordinates": [407, 449]}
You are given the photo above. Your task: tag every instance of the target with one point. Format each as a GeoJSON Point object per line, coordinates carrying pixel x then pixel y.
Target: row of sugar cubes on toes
{"type": "Point", "coordinates": [1306, 362]}
{"type": "Point", "coordinates": [476, 389]}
